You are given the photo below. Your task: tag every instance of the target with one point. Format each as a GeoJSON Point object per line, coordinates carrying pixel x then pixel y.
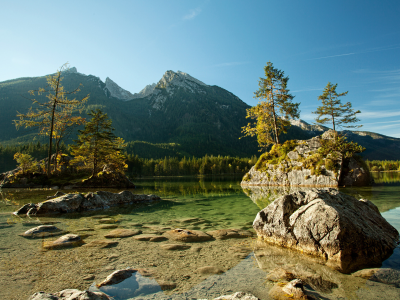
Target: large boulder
{"type": "Point", "coordinates": [299, 163]}
{"type": "Point", "coordinates": [349, 234]}
{"type": "Point", "coordinates": [78, 202]}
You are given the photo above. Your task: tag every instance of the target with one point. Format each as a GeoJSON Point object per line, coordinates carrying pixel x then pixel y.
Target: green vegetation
{"type": "Point", "coordinates": [25, 162]}
{"type": "Point", "coordinates": [336, 112]}
{"type": "Point", "coordinates": [55, 116]}
{"type": "Point", "coordinates": [383, 165]}
{"type": "Point", "coordinates": [275, 109]}
{"type": "Point", "coordinates": [98, 146]}
{"type": "Point", "coordinates": [328, 156]}
{"type": "Point", "coordinates": [276, 155]}
{"type": "Point", "coordinates": [173, 166]}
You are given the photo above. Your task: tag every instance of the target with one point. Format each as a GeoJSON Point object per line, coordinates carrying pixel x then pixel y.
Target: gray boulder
{"type": "Point", "coordinates": [78, 202]}
{"type": "Point", "coordinates": [349, 234]}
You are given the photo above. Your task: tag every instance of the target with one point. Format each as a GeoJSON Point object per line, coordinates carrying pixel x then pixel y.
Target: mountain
{"type": "Point", "coordinates": [179, 115]}
{"type": "Point", "coordinates": [378, 146]}
{"type": "Point", "coordinates": [198, 118]}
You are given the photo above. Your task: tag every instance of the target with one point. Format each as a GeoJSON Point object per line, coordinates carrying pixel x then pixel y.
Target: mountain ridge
{"type": "Point", "coordinates": [202, 119]}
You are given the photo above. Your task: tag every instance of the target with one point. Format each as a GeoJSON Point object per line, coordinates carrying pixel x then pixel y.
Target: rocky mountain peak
{"type": "Point", "coordinates": [179, 79]}
{"type": "Point", "coordinates": [116, 91]}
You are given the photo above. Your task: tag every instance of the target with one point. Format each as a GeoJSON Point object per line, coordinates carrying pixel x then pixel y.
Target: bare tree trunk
{"type": "Point", "coordinates": [52, 125]}
{"type": "Point", "coordinates": [273, 113]}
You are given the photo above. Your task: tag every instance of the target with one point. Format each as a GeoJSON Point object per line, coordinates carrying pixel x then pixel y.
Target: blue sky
{"type": "Point", "coordinates": [226, 43]}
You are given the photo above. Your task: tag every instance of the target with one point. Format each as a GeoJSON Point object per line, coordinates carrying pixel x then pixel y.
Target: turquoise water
{"type": "Point", "coordinates": [211, 203]}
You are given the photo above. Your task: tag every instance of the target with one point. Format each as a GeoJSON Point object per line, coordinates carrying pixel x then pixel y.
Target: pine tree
{"type": "Point", "coordinates": [97, 145]}
{"type": "Point", "coordinates": [54, 114]}
{"type": "Point", "coordinates": [274, 109]}
{"type": "Point", "coordinates": [335, 112]}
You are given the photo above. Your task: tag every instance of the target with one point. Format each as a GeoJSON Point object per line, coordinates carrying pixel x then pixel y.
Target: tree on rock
{"type": "Point", "coordinates": [54, 114]}
{"type": "Point", "coordinates": [334, 111]}
{"type": "Point", "coordinates": [274, 110]}
{"type": "Point", "coordinates": [97, 145]}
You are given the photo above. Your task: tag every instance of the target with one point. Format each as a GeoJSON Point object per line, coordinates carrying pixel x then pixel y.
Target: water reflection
{"type": "Point", "coordinates": [262, 196]}
{"type": "Point", "coordinates": [387, 178]}
{"type": "Point", "coordinates": [218, 203]}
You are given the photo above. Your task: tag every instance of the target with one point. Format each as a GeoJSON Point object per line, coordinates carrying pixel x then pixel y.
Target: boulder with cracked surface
{"type": "Point", "coordinates": [348, 233]}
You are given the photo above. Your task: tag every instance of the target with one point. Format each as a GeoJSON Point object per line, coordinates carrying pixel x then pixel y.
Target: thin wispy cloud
{"type": "Point", "coordinates": [383, 90]}
{"type": "Point", "coordinates": [376, 128]}
{"type": "Point", "coordinates": [192, 14]}
{"type": "Point", "coordinates": [359, 52]}
{"type": "Point", "coordinates": [379, 114]}
{"type": "Point", "coordinates": [386, 122]}
{"type": "Point", "coordinates": [346, 54]}
{"type": "Point", "coordinates": [382, 102]}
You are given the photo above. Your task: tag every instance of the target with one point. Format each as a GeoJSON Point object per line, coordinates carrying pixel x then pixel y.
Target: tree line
{"type": "Point", "coordinates": [383, 165]}
{"type": "Point", "coordinates": [173, 166]}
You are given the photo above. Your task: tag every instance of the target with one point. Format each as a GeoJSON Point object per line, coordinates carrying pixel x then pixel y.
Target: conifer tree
{"type": "Point", "coordinates": [97, 145]}
{"type": "Point", "coordinates": [49, 115]}
{"type": "Point", "coordinates": [274, 109]}
{"type": "Point", "coordinates": [334, 111]}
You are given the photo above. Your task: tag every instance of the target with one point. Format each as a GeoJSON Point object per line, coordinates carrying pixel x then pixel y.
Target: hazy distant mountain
{"type": "Point", "coordinates": [180, 114]}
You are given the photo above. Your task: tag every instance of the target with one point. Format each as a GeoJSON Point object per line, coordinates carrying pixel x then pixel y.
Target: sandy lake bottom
{"type": "Point", "coordinates": [200, 270]}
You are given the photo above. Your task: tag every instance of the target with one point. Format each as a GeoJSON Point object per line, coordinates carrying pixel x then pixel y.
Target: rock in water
{"type": "Point", "coordinates": [350, 234]}
{"type": "Point", "coordinates": [78, 202]}
{"type": "Point", "coordinates": [300, 164]}
{"type": "Point", "coordinates": [187, 235]}
{"type": "Point", "coordinates": [117, 277]}
{"type": "Point", "coordinates": [68, 240]}
{"type": "Point", "coordinates": [42, 231]}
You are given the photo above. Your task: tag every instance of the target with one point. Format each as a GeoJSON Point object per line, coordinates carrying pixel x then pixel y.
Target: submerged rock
{"type": "Point", "coordinates": [289, 290]}
{"type": "Point", "coordinates": [348, 233]}
{"type": "Point", "coordinates": [175, 247]}
{"type": "Point", "coordinates": [150, 237]}
{"type": "Point", "coordinates": [78, 202]}
{"type": "Point", "coordinates": [383, 275]}
{"type": "Point", "coordinates": [121, 233]}
{"type": "Point", "coordinates": [68, 240]}
{"type": "Point", "coordinates": [187, 235]}
{"type": "Point", "coordinates": [101, 244]}
{"type": "Point", "coordinates": [223, 234]}
{"type": "Point", "coordinates": [42, 231]}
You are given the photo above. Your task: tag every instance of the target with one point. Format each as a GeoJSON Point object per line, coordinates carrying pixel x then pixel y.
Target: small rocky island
{"type": "Point", "coordinates": [68, 177]}
{"type": "Point", "coordinates": [308, 163]}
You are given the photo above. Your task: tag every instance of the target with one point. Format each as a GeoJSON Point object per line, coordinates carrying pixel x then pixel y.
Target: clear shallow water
{"type": "Point", "coordinates": [216, 203]}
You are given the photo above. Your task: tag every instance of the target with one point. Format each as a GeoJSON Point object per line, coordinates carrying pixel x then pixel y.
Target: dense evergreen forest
{"type": "Point", "coordinates": [161, 160]}
{"type": "Point", "coordinates": [166, 160]}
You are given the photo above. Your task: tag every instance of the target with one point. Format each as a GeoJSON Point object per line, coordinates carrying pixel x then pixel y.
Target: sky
{"type": "Point", "coordinates": [227, 43]}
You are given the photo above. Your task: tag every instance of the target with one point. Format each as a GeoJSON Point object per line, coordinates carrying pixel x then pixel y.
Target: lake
{"type": "Point", "coordinates": [204, 271]}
